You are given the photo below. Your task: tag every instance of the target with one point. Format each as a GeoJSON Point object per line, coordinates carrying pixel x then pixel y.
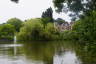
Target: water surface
{"type": "Point", "coordinates": [57, 52]}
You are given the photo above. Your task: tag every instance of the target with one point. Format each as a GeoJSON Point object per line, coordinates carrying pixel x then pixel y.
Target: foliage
{"type": "Point", "coordinates": [7, 31]}
{"type": "Point", "coordinates": [33, 29]}
{"type": "Point", "coordinates": [78, 8]}
{"type": "Point", "coordinates": [16, 22]}
{"type": "Point", "coordinates": [69, 35]}
{"type": "Point", "coordinates": [45, 21]}
{"type": "Point", "coordinates": [48, 14]}
{"type": "Point", "coordinates": [51, 33]}
{"type": "Point", "coordinates": [75, 5]}
{"type": "Point", "coordinates": [86, 28]}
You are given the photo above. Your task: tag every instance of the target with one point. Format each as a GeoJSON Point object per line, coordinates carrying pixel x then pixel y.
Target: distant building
{"type": "Point", "coordinates": [64, 26]}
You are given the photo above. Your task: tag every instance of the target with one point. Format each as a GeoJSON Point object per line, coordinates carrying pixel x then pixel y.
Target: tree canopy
{"type": "Point", "coordinates": [48, 14]}
{"type": "Point", "coordinates": [17, 23]}
{"type": "Point", "coordinates": [7, 31]}
{"type": "Point", "coordinates": [75, 6]}
{"type": "Point", "coordinates": [86, 27]}
{"type": "Point", "coordinates": [33, 29]}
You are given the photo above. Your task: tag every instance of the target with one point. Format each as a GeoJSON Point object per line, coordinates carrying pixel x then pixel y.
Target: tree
{"type": "Point", "coordinates": [86, 28]}
{"type": "Point", "coordinates": [17, 23]}
{"type": "Point", "coordinates": [7, 31]}
{"type": "Point", "coordinates": [16, 1]}
{"type": "Point", "coordinates": [45, 21]}
{"type": "Point", "coordinates": [51, 33]}
{"type": "Point", "coordinates": [75, 6]}
{"type": "Point", "coordinates": [31, 30]}
{"type": "Point", "coordinates": [48, 14]}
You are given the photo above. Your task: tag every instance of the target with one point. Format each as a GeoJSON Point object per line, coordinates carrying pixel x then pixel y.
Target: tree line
{"type": "Point", "coordinates": [31, 29]}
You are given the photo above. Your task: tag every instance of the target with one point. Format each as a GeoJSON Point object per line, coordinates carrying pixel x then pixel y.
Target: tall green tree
{"type": "Point", "coordinates": [48, 14]}
{"type": "Point", "coordinates": [17, 23]}
{"type": "Point", "coordinates": [31, 30]}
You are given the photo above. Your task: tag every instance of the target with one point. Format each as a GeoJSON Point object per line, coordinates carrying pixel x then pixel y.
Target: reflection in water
{"type": "Point", "coordinates": [15, 39]}
{"type": "Point", "coordinates": [43, 53]}
{"type": "Point", "coordinates": [67, 58]}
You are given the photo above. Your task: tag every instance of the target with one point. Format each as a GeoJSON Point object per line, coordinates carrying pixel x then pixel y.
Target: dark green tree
{"type": "Point", "coordinates": [48, 14]}
{"type": "Point", "coordinates": [75, 6]}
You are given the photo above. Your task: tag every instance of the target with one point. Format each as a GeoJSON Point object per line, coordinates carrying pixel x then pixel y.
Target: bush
{"type": "Point", "coordinates": [69, 35]}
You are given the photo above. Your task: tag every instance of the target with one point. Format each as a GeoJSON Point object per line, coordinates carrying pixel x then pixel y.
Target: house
{"type": "Point", "coordinates": [64, 26]}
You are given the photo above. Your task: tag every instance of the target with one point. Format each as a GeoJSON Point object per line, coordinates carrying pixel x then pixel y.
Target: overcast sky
{"type": "Point", "coordinates": [26, 9]}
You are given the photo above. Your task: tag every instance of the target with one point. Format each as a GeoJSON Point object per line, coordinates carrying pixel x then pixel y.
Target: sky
{"type": "Point", "coordinates": [27, 9]}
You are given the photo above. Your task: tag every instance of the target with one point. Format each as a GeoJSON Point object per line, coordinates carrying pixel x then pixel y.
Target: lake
{"type": "Point", "coordinates": [53, 52]}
